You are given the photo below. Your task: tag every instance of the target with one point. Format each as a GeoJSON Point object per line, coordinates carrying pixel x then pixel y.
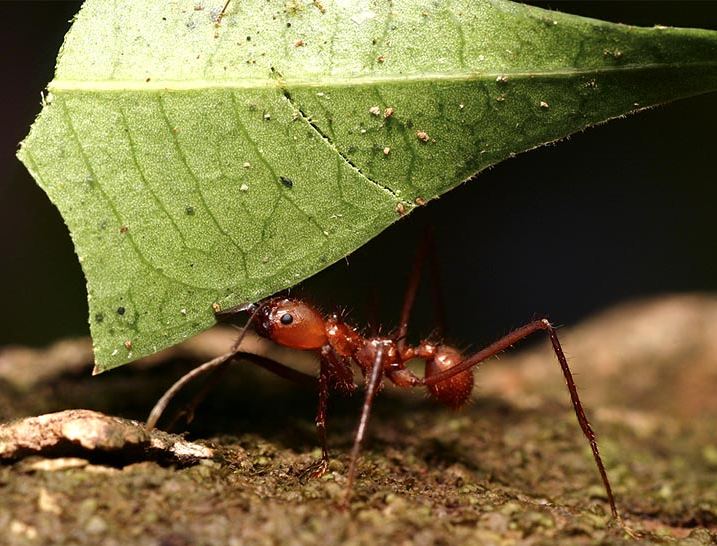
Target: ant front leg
{"type": "Point", "coordinates": [328, 365]}
{"type": "Point", "coordinates": [212, 365]}
{"type": "Point", "coordinates": [506, 342]}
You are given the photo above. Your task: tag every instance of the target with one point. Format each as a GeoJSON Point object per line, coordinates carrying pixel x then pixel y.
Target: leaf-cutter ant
{"type": "Point", "coordinates": [448, 375]}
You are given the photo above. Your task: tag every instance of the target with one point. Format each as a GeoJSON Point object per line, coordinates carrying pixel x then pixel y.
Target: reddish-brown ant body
{"type": "Point", "coordinates": [448, 375]}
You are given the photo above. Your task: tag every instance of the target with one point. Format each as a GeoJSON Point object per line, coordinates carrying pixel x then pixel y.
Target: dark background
{"type": "Point", "coordinates": [624, 210]}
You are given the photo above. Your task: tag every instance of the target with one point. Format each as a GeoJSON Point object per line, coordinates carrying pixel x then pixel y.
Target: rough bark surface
{"type": "Point", "coordinates": [511, 468]}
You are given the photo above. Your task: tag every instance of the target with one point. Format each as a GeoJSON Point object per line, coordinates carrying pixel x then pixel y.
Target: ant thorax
{"type": "Point", "coordinates": [348, 343]}
{"type": "Point", "coordinates": [368, 351]}
{"type": "Point", "coordinates": [344, 339]}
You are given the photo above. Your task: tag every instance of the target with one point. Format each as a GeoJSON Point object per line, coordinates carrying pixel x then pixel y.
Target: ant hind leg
{"type": "Point", "coordinates": [505, 343]}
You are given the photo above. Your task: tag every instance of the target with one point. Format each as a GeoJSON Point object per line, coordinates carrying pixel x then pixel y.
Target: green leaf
{"type": "Point", "coordinates": [199, 163]}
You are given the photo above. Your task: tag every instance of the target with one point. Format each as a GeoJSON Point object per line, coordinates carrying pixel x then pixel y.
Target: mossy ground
{"type": "Point", "coordinates": [508, 469]}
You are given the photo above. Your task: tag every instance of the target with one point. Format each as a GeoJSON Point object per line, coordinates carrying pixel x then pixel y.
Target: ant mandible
{"type": "Point", "coordinates": [448, 375]}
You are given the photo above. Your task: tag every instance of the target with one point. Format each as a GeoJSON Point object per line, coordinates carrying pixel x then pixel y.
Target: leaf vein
{"type": "Point", "coordinates": [141, 85]}
{"type": "Point", "coordinates": [272, 171]}
{"type": "Point", "coordinates": [145, 183]}
{"type": "Point", "coordinates": [85, 159]}
{"type": "Point", "coordinates": [197, 182]}
{"type": "Point", "coordinates": [330, 143]}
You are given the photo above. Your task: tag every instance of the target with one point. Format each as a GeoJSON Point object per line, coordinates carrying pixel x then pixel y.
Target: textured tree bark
{"type": "Point", "coordinates": [511, 468]}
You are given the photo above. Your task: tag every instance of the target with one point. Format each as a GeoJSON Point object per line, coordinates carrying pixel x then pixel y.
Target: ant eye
{"type": "Point", "coordinates": [286, 319]}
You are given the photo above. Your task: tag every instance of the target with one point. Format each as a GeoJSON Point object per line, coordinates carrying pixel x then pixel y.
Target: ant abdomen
{"type": "Point", "coordinates": [454, 391]}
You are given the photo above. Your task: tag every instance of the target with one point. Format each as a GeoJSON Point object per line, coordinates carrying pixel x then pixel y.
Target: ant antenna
{"type": "Point", "coordinates": [163, 402]}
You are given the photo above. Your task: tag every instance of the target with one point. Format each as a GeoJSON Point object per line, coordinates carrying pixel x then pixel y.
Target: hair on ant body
{"type": "Point", "coordinates": [448, 374]}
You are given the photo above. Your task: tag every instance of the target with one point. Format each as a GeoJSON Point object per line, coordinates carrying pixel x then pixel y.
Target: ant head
{"type": "Point", "coordinates": [292, 323]}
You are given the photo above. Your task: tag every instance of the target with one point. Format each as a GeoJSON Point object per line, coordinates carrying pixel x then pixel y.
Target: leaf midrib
{"type": "Point", "coordinates": [255, 83]}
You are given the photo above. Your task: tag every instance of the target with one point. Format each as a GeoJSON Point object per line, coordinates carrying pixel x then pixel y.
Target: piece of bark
{"type": "Point", "coordinates": [85, 433]}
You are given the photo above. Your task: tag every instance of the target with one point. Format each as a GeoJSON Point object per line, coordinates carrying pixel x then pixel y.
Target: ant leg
{"type": "Point", "coordinates": [221, 360]}
{"type": "Point", "coordinates": [163, 402]}
{"type": "Point", "coordinates": [503, 344]}
{"type": "Point", "coordinates": [371, 389]}
{"type": "Point", "coordinates": [213, 364]}
{"type": "Point", "coordinates": [335, 374]}
{"type": "Point", "coordinates": [321, 419]}
{"type": "Point", "coordinates": [409, 296]}
{"type": "Point", "coordinates": [319, 468]}
{"type": "Point", "coordinates": [216, 374]}
{"type": "Point", "coordinates": [439, 308]}
{"type": "Point", "coordinates": [190, 409]}
{"type": "Point", "coordinates": [217, 362]}
{"type": "Point", "coordinates": [426, 250]}
{"type": "Point", "coordinates": [221, 13]}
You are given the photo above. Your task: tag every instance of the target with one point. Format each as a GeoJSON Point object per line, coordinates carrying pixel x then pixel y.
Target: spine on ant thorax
{"type": "Point", "coordinates": [344, 339]}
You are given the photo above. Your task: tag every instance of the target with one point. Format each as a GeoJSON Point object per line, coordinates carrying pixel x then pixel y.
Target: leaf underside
{"type": "Point", "coordinates": [201, 165]}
